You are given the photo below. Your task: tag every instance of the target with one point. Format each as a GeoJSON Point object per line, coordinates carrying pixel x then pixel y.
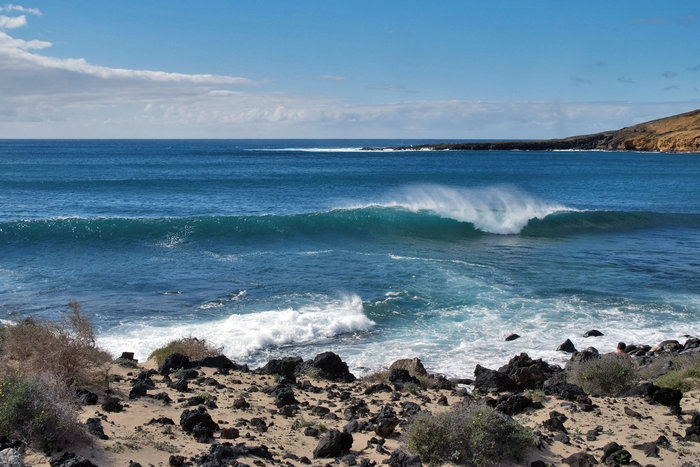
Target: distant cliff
{"type": "Point", "coordinates": [679, 133]}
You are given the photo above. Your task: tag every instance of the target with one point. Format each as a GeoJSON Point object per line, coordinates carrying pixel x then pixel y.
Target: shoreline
{"type": "Point", "coordinates": [282, 411]}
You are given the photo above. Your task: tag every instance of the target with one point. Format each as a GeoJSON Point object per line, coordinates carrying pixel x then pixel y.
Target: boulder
{"type": "Point", "coordinates": [329, 366]}
{"type": "Point", "coordinates": [413, 365]}
{"type": "Point", "coordinates": [219, 362]}
{"type": "Point", "coordinates": [333, 444]}
{"type": "Point", "coordinates": [399, 458]}
{"type": "Point", "coordinates": [692, 433]}
{"type": "Point", "coordinates": [11, 458]}
{"type": "Point", "coordinates": [284, 366]}
{"type": "Point", "coordinates": [284, 395]}
{"type": "Point", "coordinates": [199, 416]}
{"type": "Point", "coordinates": [567, 346]}
{"type": "Point", "coordinates": [173, 362]}
{"type": "Point", "coordinates": [512, 337]}
{"type": "Point", "coordinates": [401, 378]}
{"type": "Point", "coordinates": [112, 404]}
{"type": "Point", "coordinates": [593, 333]}
{"type": "Point", "coordinates": [528, 373]}
{"type": "Point", "coordinates": [512, 404]}
{"type": "Point", "coordinates": [491, 380]}
{"type": "Point", "coordinates": [385, 422]}
{"type": "Point", "coordinates": [580, 459]}
{"type": "Point", "coordinates": [70, 459]}
{"type": "Point", "coordinates": [555, 422]}
{"type": "Point", "coordinates": [86, 397]}
{"type": "Point", "coordinates": [94, 427]}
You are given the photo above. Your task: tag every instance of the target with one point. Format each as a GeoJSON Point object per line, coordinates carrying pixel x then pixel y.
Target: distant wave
{"type": "Point", "coordinates": [428, 211]}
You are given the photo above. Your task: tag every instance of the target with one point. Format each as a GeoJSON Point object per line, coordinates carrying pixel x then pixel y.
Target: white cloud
{"type": "Point", "coordinates": [333, 78]}
{"type": "Point", "coordinates": [20, 8]}
{"type": "Point", "coordinates": [12, 22]}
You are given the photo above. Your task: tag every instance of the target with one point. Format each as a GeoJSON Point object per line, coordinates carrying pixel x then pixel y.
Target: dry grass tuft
{"type": "Point", "coordinates": [192, 347]}
{"type": "Point", "coordinates": [66, 350]}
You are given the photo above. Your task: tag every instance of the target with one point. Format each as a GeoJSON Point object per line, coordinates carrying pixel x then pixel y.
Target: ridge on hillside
{"type": "Point", "coordinates": [678, 133]}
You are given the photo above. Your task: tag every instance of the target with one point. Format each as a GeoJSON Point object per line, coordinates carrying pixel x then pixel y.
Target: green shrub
{"type": "Point", "coordinates": [38, 410]}
{"type": "Point", "coordinates": [609, 375]}
{"type": "Point", "coordinates": [475, 435]}
{"type": "Point", "coordinates": [192, 347]}
{"type": "Point", "coordinates": [685, 379]}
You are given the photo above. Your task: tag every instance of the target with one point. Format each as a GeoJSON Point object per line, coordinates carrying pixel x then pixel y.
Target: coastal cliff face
{"type": "Point", "coordinates": [679, 133]}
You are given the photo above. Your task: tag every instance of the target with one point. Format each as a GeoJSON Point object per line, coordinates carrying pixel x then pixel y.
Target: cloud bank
{"type": "Point", "coordinates": [52, 97]}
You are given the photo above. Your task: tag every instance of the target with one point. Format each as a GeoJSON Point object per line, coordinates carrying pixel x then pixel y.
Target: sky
{"type": "Point", "coordinates": [499, 69]}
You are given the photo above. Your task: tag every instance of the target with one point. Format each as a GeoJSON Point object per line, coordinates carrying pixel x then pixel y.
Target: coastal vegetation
{"type": "Point", "coordinates": [608, 375]}
{"type": "Point", "coordinates": [472, 434]}
{"type": "Point", "coordinates": [42, 363]}
{"type": "Point", "coordinates": [192, 347]}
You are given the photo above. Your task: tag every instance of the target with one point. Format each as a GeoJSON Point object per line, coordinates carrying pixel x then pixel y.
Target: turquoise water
{"type": "Point", "coordinates": [273, 247]}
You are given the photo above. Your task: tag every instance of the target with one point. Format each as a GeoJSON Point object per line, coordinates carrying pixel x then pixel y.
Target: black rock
{"type": "Point", "coordinates": [112, 404]}
{"type": "Point", "coordinates": [220, 362]}
{"type": "Point", "coordinates": [664, 396]}
{"type": "Point", "coordinates": [240, 404]}
{"type": "Point", "coordinates": [567, 346]}
{"type": "Point", "coordinates": [512, 337]}
{"type": "Point", "coordinates": [401, 378]}
{"type": "Point", "coordinates": [203, 432]}
{"type": "Point", "coordinates": [199, 416]}
{"type": "Point", "coordinates": [491, 380]}
{"type": "Point", "coordinates": [399, 458]}
{"type": "Point", "coordinates": [385, 422]}
{"type": "Point", "coordinates": [94, 427]}
{"type": "Point", "coordinates": [70, 459]}
{"type": "Point", "coordinates": [528, 373]}
{"type": "Point", "coordinates": [379, 387]}
{"type": "Point", "coordinates": [258, 424]}
{"type": "Point", "coordinates": [512, 404]}
{"type": "Point", "coordinates": [312, 431]}
{"type": "Point", "coordinates": [289, 410]}
{"type": "Point", "coordinates": [174, 362]}
{"type": "Point", "coordinates": [593, 333]}
{"type": "Point", "coordinates": [580, 459]}
{"type": "Point", "coordinates": [285, 366]}
{"type": "Point", "coordinates": [333, 444]}
{"type": "Point", "coordinates": [138, 390]}
{"type": "Point", "coordinates": [176, 461]}
{"type": "Point", "coordinates": [692, 433]}
{"type": "Point", "coordinates": [609, 449]}
{"type": "Point", "coordinates": [555, 422]}
{"type": "Point", "coordinates": [358, 408]}
{"type": "Point", "coordinates": [180, 385]}
{"type": "Point", "coordinates": [651, 449]}
{"type": "Point", "coordinates": [284, 395]}
{"type": "Point", "coordinates": [221, 454]}
{"type": "Point", "coordinates": [187, 373]}
{"type": "Point", "coordinates": [328, 365]}
{"type": "Point", "coordinates": [86, 397]}
{"type": "Point", "coordinates": [560, 388]}
{"type": "Point", "coordinates": [161, 421]}
{"type": "Point", "coordinates": [409, 409]}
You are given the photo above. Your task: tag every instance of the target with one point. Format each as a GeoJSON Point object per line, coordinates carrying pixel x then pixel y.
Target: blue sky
{"type": "Point", "coordinates": [332, 69]}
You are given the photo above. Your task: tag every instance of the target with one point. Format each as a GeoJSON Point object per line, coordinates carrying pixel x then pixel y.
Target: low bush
{"type": "Point", "coordinates": [66, 350]}
{"type": "Point", "coordinates": [39, 410]}
{"type": "Point", "coordinates": [685, 379]}
{"type": "Point", "coordinates": [192, 347]}
{"type": "Point", "coordinates": [609, 375]}
{"type": "Point", "coordinates": [470, 434]}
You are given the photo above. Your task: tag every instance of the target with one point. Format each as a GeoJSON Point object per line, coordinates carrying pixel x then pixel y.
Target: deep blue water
{"type": "Point", "coordinates": [272, 247]}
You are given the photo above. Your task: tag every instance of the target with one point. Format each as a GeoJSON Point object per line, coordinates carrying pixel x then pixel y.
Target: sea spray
{"type": "Point", "coordinates": [493, 209]}
{"type": "Point", "coordinates": [240, 335]}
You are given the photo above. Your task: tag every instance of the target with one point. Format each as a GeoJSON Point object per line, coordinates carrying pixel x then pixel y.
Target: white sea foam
{"type": "Point", "coordinates": [242, 334]}
{"type": "Point", "coordinates": [495, 209]}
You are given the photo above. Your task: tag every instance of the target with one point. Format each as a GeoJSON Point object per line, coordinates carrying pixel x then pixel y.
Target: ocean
{"type": "Point", "coordinates": [273, 248]}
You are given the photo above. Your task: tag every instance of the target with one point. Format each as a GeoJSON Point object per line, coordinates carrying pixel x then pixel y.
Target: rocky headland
{"type": "Point", "coordinates": [678, 133]}
{"type": "Point", "coordinates": [292, 412]}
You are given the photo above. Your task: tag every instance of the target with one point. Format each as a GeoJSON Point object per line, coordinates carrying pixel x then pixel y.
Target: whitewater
{"type": "Point", "coordinates": [293, 247]}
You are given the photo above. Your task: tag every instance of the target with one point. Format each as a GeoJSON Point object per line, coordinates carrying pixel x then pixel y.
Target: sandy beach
{"type": "Point", "coordinates": [148, 430]}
